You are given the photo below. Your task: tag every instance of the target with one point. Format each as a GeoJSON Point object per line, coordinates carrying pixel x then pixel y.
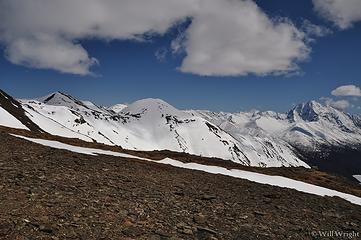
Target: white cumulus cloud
{"type": "Point", "coordinates": [224, 38]}
{"type": "Point", "coordinates": [230, 38]}
{"type": "Point", "coordinates": [43, 33]}
{"type": "Point", "coordinates": [338, 104]}
{"type": "Point", "coordinates": [343, 13]}
{"type": "Point", "coordinates": [347, 90]}
{"type": "Point", "coordinates": [50, 53]}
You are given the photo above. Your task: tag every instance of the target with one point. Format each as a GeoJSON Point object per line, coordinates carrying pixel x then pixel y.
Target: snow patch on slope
{"type": "Point", "coordinates": [8, 120]}
{"type": "Point", "coordinates": [358, 177]}
{"type": "Point", "coordinates": [277, 181]}
{"type": "Point", "coordinates": [51, 126]}
{"type": "Point", "coordinates": [251, 176]}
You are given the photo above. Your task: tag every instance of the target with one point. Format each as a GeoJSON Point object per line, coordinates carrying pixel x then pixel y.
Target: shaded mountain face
{"type": "Point", "coordinates": [308, 112]}
{"type": "Point", "coordinates": [266, 139]}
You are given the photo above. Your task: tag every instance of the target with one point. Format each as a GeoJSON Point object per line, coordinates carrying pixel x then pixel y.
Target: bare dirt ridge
{"type": "Point", "coordinates": [47, 193]}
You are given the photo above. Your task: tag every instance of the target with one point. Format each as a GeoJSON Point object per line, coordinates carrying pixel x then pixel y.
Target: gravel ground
{"type": "Point", "coordinates": [54, 194]}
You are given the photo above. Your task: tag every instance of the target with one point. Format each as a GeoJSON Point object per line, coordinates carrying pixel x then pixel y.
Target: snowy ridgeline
{"type": "Point", "coordinates": [251, 176]}
{"type": "Point", "coordinates": [306, 125]}
{"type": "Point", "coordinates": [152, 124]}
{"type": "Point", "coordinates": [265, 139]}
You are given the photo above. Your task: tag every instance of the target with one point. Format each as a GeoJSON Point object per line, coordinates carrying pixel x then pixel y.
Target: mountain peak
{"type": "Point", "coordinates": [117, 108]}
{"type": "Point", "coordinates": [150, 104]}
{"type": "Point", "coordinates": [308, 111]}
{"type": "Point", "coordinates": [62, 99]}
{"type": "Point", "coordinates": [312, 104]}
{"type": "Point", "coordinates": [152, 101]}
{"type": "Point", "coordinates": [56, 98]}
{"type": "Point", "coordinates": [313, 111]}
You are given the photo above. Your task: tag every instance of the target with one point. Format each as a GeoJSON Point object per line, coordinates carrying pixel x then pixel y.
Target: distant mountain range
{"type": "Point", "coordinates": [308, 125]}
{"type": "Point", "coordinates": [265, 139]}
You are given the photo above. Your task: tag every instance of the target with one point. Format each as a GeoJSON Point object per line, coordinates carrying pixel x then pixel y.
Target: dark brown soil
{"type": "Point", "coordinates": [54, 194]}
{"type": "Point", "coordinates": [312, 176]}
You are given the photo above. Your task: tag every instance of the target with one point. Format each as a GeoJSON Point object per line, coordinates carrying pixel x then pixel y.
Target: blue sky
{"type": "Point", "coordinates": [129, 70]}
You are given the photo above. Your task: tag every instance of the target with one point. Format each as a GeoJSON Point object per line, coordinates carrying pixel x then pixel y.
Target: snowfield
{"type": "Point", "coordinates": [251, 176]}
{"type": "Point", "coordinates": [8, 120]}
{"type": "Point", "coordinates": [152, 124]}
{"type": "Point", "coordinates": [49, 125]}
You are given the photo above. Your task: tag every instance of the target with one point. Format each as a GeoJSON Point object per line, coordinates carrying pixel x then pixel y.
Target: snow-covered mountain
{"type": "Point", "coordinates": [117, 108]}
{"type": "Point", "coordinates": [152, 124]}
{"type": "Point", "coordinates": [313, 123]}
{"type": "Point", "coordinates": [266, 139]}
{"type": "Point", "coordinates": [307, 125]}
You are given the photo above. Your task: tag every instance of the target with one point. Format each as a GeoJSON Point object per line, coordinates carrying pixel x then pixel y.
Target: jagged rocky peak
{"type": "Point", "coordinates": [66, 100]}
{"type": "Point", "coordinates": [308, 111]}
{"type": "Point", "coordinates": [327, 116]}
{"type": "Point", "coordinates": [59, 99]}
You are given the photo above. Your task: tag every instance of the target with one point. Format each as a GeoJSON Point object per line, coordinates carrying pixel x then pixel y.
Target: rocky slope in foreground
{"type": "Point", "coordinates": [54, 194]}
